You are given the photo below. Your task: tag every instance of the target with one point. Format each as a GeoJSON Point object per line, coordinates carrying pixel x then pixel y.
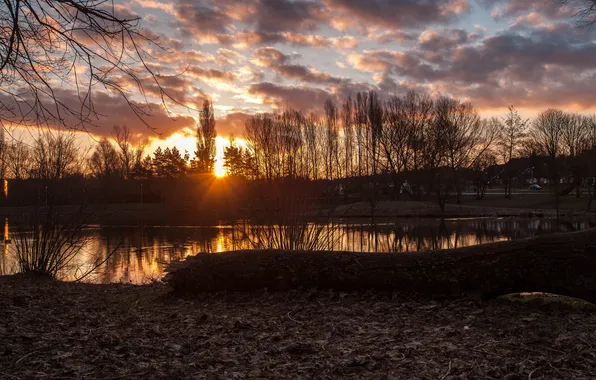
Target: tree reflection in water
{"type": "Point", "coordinates": [145, 252]}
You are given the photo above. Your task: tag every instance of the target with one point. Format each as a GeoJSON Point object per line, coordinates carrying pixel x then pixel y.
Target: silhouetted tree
{"type": "Point", "coordinates": [55, 155]}
{"type": "Point", "coordinates": [234, 160]}
{"type": "Point", "coordinates": [512, 132]}
{"type": "Point", "coordinates": [547, 133]}
{"type": "Point", "coordinates": [169, 163]}
{"type": "Point", "coordinates": [574, 141]}
{"type": "Point", "coordinates": [19, 159]}
{"type": "Point", "coordinates": [205, 153]}
{"type": "Point", "coordinates": [331, 140]}
{"type": "Point", "coordinates": [104, 161]}
{"type": "Point", "coordinates": [130, 154]}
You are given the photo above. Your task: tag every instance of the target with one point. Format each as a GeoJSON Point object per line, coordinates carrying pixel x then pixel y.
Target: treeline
{"type": "Point", "coordinates": [55, 155]}
{"type": "Point", "coordinates": [416, 144]}
{"type": "Point", "coordinates": [435, 144]}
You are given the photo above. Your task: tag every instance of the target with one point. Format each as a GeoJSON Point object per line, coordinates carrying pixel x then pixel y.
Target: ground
{"type": "Point", "coordinates": [72, 331]}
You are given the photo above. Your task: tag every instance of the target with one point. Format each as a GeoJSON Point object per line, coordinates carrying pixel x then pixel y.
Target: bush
{"type": "Point", "coordinates": [50, 241]}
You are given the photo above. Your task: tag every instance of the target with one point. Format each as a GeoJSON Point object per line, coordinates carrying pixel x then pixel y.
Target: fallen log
{"type": "Point", "coordinates": [559, 263]}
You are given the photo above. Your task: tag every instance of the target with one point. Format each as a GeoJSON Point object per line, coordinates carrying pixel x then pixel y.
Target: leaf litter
{"type": "Point", "coordinates": [54, 330]}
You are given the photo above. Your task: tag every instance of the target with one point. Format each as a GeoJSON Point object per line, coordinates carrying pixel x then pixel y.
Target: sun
{"type": "Point", "coordinates": [220, 171]}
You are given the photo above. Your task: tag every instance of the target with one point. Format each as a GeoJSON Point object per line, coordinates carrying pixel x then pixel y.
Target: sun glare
{"type": "Point", "coordinates": [187, 144]}
{"type": "Point", "coordinates": [220, 145]}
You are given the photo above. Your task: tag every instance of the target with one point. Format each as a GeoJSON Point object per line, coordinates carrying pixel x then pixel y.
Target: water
{"type": "Point", "coordinates": [141, 254]}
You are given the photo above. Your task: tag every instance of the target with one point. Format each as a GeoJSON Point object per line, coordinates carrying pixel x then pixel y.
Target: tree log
{"type": "Point", "coordinates": [559, 263]}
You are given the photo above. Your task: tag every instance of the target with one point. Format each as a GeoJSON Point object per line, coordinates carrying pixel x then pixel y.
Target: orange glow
{"type": "Point", "coordinates": [220, 171]}
{"type": "Point", "coordinates": [220, 145]}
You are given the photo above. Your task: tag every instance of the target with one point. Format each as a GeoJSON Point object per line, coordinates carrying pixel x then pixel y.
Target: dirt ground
{"type": "Point", "coordinates": [54, 330]}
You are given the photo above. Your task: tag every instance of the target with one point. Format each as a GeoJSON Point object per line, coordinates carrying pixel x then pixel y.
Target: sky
{"type": "Point", "coordinates": [253, 56]}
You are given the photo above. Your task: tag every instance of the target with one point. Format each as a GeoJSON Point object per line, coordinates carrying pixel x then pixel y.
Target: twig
{"type": "Point", "coordinates": [448, 372]}
{"type": "Point", "coordinates": [23, 357]}
{"type": "Point", "coordinates": [292, 319]}
{"type": "Point", "coordinates": [532, 372]}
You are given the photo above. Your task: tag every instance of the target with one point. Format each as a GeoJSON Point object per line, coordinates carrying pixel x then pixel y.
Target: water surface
{"type": "Point", "coordinates": [141, 254]}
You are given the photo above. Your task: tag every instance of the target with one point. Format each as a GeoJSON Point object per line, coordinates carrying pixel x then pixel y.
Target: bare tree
{"type": "Point", "coordinates": [420, 121]}
{"type": "Point", "coordinates": [574, 135]}
{"type": "Point", "coordinates": [105, 161]}
{"type": "Point", "coordinates": [585, 10]}
{"type": "Point", "coordinates": [332, 139]}
{"type": "Point", "coordinates": [513, 131]}
{"type": "Point", "coordinates": [130, 152]}
{"type": "Point", "coordinates": [463, 134]}
{"type": "Point", "coordinates": [547, 131]}
{"type": "Point", "coordinates": [394, 139]}
{"type": "Point", "coordinates": [55, 155]}
{"type": "Point", "coordinates": [205, 154]}
{"type": "Point", "coordinates": [19, 159]}
{"type": "Point", "coordinates": [348, 129]}
{"type": "Point", "coordinates": [90, 44]}
{"type": "Point", "coordinates": [481, 176]}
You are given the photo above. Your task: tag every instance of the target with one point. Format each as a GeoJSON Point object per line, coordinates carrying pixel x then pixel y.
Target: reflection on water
{"type": "Point", "coordinates": [141, 254]}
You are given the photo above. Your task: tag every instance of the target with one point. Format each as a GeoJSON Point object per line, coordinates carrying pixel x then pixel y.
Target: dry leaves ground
{"type": "Point", "coordinates": [82, 331]}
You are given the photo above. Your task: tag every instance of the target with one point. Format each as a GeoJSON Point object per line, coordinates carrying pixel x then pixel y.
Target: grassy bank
{"type": "Point", "coordinates": [491, 207]}
{"type": "Point", "coordinates": [71, 331]}
{"type": "Point", "coordinates": [526, 204]}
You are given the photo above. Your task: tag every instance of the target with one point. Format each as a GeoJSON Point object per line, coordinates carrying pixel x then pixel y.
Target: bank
{"type": "Point", "coordinates": [71, 331]}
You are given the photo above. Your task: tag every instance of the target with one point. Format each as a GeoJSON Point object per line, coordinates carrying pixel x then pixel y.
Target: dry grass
{"type": "Point", "coordinates": [72, 331]}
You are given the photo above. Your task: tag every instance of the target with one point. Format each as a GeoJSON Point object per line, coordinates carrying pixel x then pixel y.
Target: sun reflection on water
{"type": "Point", "coordinates": [142, 254]}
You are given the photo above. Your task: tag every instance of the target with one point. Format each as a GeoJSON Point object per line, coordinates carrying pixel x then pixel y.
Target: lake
{"type": "Point", "coordinates": [141, 254]}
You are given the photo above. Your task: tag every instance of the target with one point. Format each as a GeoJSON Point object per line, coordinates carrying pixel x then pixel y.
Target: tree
{"type": "Point", "coordinates": [19, 159]}
{"type": "Point", "coordinates": [465, 137]}
{"type": "Point", "coordinates": [481, 177]}
{"type": "Point", "coordinates": [129, 155]}
{"type": "Point", "coordinates": [55, 156]}
{"type": "Point", "coordinates": [332, 139]}
{"type": "Point", "coordinates": [348, 129]}
{"type": "Point", "coordinates": [513, 131]}
{"type": "Point", "coordinates": [574, 142]}
{"type": "Point", "coordinates": [205, 154]}
{"type": "Point", "coordinates": [47, 46]}
{"type": "Point", "coordinates": [234, 160]}
{"type": "Point", "coordinates": [169, 163]}
{"type": "Point", "coordinates": [547, 131]}
{"type": "Point", "coordinates": [104, 162]}
{"type": "Point", "coordinates": [585, 10]}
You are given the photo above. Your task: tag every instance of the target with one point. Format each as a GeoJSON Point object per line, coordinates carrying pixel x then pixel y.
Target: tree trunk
{"type": "Point", "coordinates": [559, 263]}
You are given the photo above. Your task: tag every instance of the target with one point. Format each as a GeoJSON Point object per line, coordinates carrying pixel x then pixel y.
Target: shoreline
{"type": "Point", "coordinates": [165, 214]}
{"type": "Point", "coordinates": [65, 330]}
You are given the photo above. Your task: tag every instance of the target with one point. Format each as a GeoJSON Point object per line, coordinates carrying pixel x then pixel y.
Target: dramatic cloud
{"type": "Point", "coordinates": [256, 55]}
{"type": "Point", "coordinates": [300, 98]}
{"type": "Point", "coordinates": [232, 123]}
{"type": "Point", "coordinates": [393, 15]}
{"type": "Point", "coordinates": [142, 118]}
{"type": "Point", "coordinates": [280, 63]}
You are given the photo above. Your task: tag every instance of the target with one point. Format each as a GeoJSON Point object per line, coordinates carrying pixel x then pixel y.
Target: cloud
{"type": "Point", "coordinates": [232, 123]}
{"type": "Point", "coordinates": [295, 97]}
{"type": "Point", "coordinates": [150, 119]}
{"type": "Point", "coordinates": [279, 63]}
{"type": "Point", "coordinates": [503, 9]}
{"type": "Point", "coordinates": [297, 22]}
{"type": "Point", "coordinates": [304, 98]}
{"type": "Point", "coordinates": [211, 75]}
{"type": "Point", "coordinates": [370, 15]}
